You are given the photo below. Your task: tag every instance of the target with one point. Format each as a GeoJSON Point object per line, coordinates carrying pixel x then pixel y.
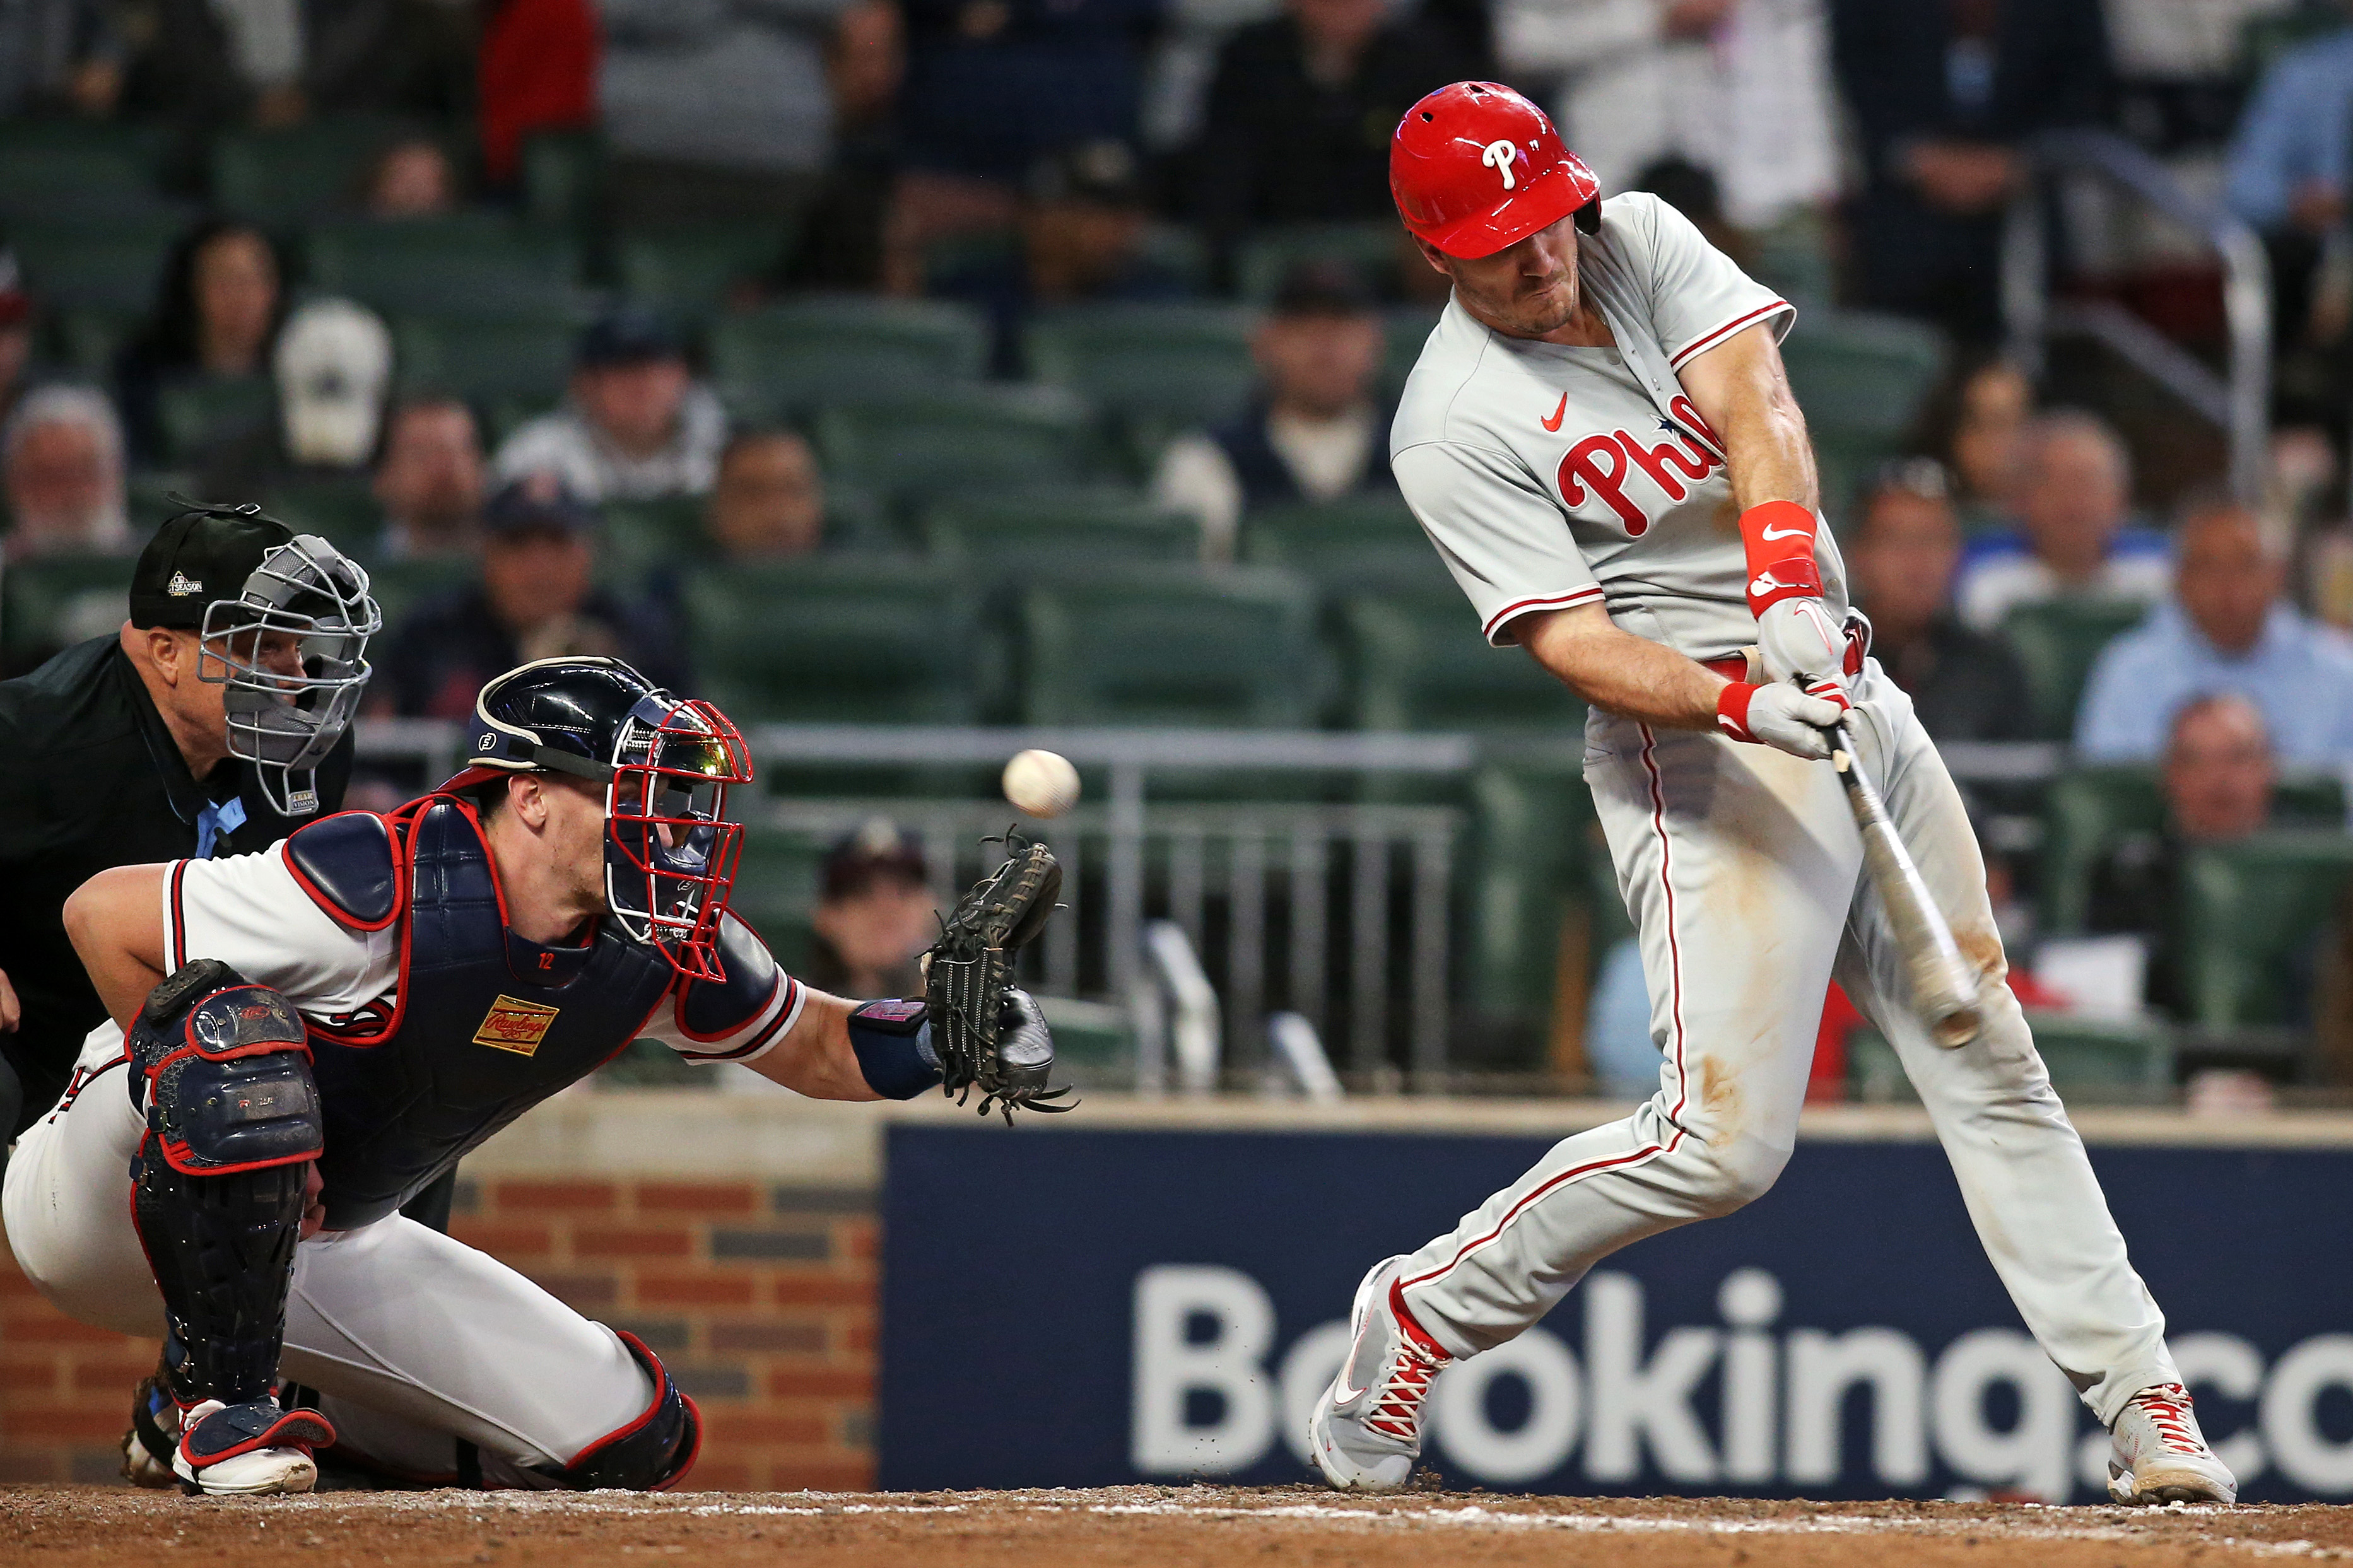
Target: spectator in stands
{"type": "Point", "coordinates": [1083, 221]}
{"type": "Point", "coordinates": [1902, 554]}
{"type": "Point", "coordinates": [332, 365]}
{"type": "Point", "coordinates": [1300, 109]}
{"type": "Point", "coordinates": [769, 502]}
{"type": "Point", "coordinates": [2074, 485]}
{"type": "Point", "coordinates": [713, 113]}
{"type": "Point", "coordinates": [537, 599]}
{"type": "Point", "coordinates": [877, 914]}
{"type": "Point", "coordinates": [16, 331]}
{"type": "Point", "coordinates": [430, 480]}
{"type": "Point", "coordinates": [841, 239]}
{"type": "Point", "coordinates": [62, 465]}
{"type": "Point", "coordinates": [2288, 177]}
{"type": "Point", "coordinates": [2227, 629]}
{"type": "Point", "coordinates": [411, 178]}
{"type": "Point", "coordinates": [275, 62]}
{"type": "Point", "coordinates": [1314, 433]}
{"type": "Point", "coordinates": [2219, 774]}
{"type": "Point", "coordinates": [637, 427]}
{"type": "Point", "coordinates": [1973, 424]}
{"type": "Point", "coordinates": [217, 319]}
{"type": "Point", "coordinates": [536, 71]}
{"type": "Point", "coordinates": [59, 55]}
{"type": "Point", "coordinates": [1941, 96]}
{"type": "Point", "coordinates": [1738, 88]}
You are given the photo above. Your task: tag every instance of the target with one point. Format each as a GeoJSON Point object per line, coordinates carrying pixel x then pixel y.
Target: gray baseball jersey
{"type": "Point", "coordinates": [1550, 476]}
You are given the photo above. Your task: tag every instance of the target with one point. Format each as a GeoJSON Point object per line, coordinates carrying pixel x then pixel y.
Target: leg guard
{"type": "Point", "coordinates": [233, 1122]}
{"type": "Point", "coordinates": [651, 1453]}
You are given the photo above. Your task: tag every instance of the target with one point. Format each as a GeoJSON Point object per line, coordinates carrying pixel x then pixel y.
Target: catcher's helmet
{"type": "Point", "coordinates": [665, 764]}
{"type": "Point", "coordinates": [1475, 167]}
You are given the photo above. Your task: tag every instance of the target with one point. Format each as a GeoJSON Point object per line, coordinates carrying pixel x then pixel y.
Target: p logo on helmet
{"type": "Point", "coordinates": [1475, 168]}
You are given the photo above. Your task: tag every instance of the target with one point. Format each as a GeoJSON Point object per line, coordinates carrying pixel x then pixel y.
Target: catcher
{"type": "Point", "coordinates": [305, 1037]}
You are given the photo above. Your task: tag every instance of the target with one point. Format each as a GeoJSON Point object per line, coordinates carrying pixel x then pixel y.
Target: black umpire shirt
{"type": "Point", "coordinates": [90, 778]}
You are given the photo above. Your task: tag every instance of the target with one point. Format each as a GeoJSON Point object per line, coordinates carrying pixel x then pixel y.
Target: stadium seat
{"type": "Point", "coordinates": [87, 340]}
{"type": "Point", "coordinates": [1155, 370]}
{"type": "Point", "coordinates": [1055, 528]}
{"type": "Point", "coordinates": [1530, 863]}
{"type": "Point", "coordinates": [53, 601]}
{"type": "Point", "coordinates": [991, 438]}
{"type": "Point", "coordinates": [341, 507]}
{"type": "Point", "coordinates": [476, 265]}
{"type": "Point", "coordinates": [2252, 913]}
{"type": "Point", "coordinates": [39, 175]}
{"type": "Point", "coordinates": [1170, 645]}
{"type": "Point", "coordinates": [642, 537]}
{"type": "Point", "coordinates": [690, 272]}
{"type": "Point", "coordinates": [198, 414]}
{"type": "Point", "coordinates": [525, 363]}
{"type": "Point", "coordinates": [792, 357]}
{"type": "Point", "coordinates": [776, 888]}
{"type": "Point", "coordinates": [113, 263]}
{"type": "Point", "coordinates": [298, 174]}
{"type": "Point", "coordinates": [400, 587]}
{"type": "Point", "coordinates": [1405, 329]}
{"type": "Point", "coordinates": [1419, 663]}
{"type": "Point", "coordinates": [864, 640]}
{"type": "Point", "coordinates": [563, 179]}
{"type": "Point", "coordinates": [1262, 259]}
{"type": "Point", "coordinates": [1861, 378]}
{"type": "Point", "coordinates": [1362, 544]}
{"type": "Point", "coordinates": [2092, 1057]}
{"type": "Point", "coordinates": [2057, 641]}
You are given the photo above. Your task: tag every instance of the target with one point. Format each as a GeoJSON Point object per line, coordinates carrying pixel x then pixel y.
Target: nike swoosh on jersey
{"type": "Point", "coordinates": [1769, 531]}
{"type": "Point", "coordinates": [1552, 426]}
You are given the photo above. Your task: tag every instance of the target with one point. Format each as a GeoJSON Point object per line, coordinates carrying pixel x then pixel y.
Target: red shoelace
{"type": "Point", "coordinates": [1397, 1408]}
{"type": "Point", "coordinates": [2168, 1406]}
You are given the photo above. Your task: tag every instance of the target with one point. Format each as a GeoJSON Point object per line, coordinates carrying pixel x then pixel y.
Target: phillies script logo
{"type": "Point", "coordinates": [1603, 464]}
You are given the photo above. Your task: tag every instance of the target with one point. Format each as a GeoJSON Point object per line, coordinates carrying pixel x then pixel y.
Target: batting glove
{"type": "Point", "coordinates": [1796, 641]}
{"type": "Point", "coordinates": [1779, 716]}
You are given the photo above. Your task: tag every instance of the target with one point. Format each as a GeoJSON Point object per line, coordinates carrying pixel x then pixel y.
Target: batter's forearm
{"type": "Point", "coordinates": [1741, 390]}
{"type": "Point", "coordinates": [1618, 672]}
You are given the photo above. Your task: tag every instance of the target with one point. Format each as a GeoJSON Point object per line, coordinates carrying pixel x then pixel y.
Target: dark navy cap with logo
{"type": "Point", "coordinates": [199, 556]}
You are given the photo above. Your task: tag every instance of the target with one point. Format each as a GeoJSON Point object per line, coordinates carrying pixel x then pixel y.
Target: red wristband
{"type": "Point", "coordinates": [1779, 538]}
{"type": "Point", "coordinates": [1732, 710]}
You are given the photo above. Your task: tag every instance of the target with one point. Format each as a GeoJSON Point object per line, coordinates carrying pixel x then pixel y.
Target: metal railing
{"type": "Point", "coordinates": [2237, 402]}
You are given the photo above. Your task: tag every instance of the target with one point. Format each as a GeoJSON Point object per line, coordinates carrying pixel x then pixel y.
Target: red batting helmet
{"type": "Point", "coordinates": [1475, 167]}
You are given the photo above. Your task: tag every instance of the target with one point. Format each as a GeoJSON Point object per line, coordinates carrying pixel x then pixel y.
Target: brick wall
{"type": "Point", "coordinates": [759, 1299]}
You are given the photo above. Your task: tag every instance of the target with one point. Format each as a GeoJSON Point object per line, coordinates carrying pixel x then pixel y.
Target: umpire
{"type": "Point", "coordinates": [213, 723]}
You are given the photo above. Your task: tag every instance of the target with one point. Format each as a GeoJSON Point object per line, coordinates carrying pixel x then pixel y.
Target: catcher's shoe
{"type": "Point", "coordinates": [2161, 1456]}
{"type": "Point", "coordinates": [244, 1451]}
{"type": "Point", "coordinates": [152, 1437]}
{"type": "Point", "coordinates": [1366, 1432]}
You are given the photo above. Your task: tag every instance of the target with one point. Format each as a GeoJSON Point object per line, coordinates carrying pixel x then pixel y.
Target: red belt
{"type": "Point", "coordinates": [1735, 667]}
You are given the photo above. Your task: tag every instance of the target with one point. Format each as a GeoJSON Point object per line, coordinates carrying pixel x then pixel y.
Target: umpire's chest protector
{"type": "Point", "coordinates": [482, 1025]}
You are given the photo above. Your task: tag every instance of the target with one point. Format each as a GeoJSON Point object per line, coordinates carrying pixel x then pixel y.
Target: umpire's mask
{"type": "Point", "coordinates": [291, 650]}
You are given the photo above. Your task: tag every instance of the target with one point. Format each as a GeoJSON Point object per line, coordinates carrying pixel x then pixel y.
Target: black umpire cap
{"type": "Point", "coordinates": [201, 555]}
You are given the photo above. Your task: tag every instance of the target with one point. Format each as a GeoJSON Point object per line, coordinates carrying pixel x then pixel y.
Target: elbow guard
{"type": "Point", "coordinates": [893, 1042]}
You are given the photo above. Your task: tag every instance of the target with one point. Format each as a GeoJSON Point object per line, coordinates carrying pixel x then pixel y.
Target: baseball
{"type": "Point", "coordinates": [1041, 783]}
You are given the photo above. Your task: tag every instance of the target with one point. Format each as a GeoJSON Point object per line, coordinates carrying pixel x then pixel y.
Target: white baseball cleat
{"type": "Point", "coordinates": [1366, 1432]}
{"type": "Point", "coordinates": [250, 1450]}
{"type": "Point", "coordinates": [2160, 1454]}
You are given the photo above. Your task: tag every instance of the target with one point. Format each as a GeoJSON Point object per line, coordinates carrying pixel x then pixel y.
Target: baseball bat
{"type": "Point", "coordinates": [1944, 984]}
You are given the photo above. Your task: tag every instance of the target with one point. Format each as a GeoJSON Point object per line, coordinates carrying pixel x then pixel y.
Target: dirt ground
{"type": "Point", "coordinates": [1130, 1527]}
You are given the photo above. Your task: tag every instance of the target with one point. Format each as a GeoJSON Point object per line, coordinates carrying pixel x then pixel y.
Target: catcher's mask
{"type": "Point", "coordinates": [665, 762]}
{"type": "Point", "coordinates": [286, 714]}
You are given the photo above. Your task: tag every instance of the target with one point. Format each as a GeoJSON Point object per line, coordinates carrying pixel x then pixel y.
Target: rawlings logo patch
{"type": "Point", "coordinates": [512, 1025]}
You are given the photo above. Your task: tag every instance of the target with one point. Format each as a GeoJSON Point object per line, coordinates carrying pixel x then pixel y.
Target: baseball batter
{"type": "Point", "coordinates": [1599, 440]}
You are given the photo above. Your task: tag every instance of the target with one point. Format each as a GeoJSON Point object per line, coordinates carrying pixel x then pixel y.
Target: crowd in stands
{"type": "Point", "coordinates": [525, 302]}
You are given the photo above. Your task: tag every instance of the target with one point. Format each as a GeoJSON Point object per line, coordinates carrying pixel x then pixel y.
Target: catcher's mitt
{"type": "Point", "coordinates": [987, 1035]}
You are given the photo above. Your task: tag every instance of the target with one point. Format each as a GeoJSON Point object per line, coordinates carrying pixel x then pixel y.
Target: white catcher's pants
{"type": "Point", "coordinates": [1743, 870]}
{"type": "Point", "coordinates": [413, 1338]}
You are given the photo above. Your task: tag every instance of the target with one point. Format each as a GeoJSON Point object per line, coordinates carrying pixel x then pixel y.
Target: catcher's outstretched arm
{"type": "Point", "coordinates": [814, 1058]}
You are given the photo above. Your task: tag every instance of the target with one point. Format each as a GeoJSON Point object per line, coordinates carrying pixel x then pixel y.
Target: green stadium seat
{"type": "Point", "coordinates": [400, 587]}
{"type": "Point", "coordinates": [690, 272]}
{"type": "Point", "coordinates": [2057, 641]}
{"type": "Point", "coordinates": [1533, 865]}
{"type": "Point", "coordinates": [38, 178]}
{"type": "Point", "coordinates": [643, 536]}
{"type": "Point", "coordinates": [1094, 1042]}
{"type": "Point", "coordinates": [1419, 663]}
{"type": "Point", "coordinates": [341, 507]}
{"type": "Point", "coordinates": [1054, 528]}
{"type": "Point", "coordinates": [1861, 378]}
{"type": "Point", "coordinates": [88, 339]}
{"type": "Point", "coordinates": [563, 178]}
{"type": "Point", "coordinates": [1230, 647]}
{"type": "Point", "coordinates": [818, 350]}
{"type": "Point", "coordinates": [525, 363]}
{"type": "Point", "coordinates": [1155, 369]}
{"type": "Point", "coordinates": [2094, 1058]}
{"type": "Point", "coordinates": [1405, 329]}
{"type": "Point", "coordinates": [295, 175]}
{"type": "Point", "coordinates": [112, 262]}
{"type": "Point", "coordinates": [475, 265]}
{"type": "Point", "coordinates": [983, 437]}
{"type": "Point", "coordinates": [2252, 914]}
{"type": "Point", "coordinates": [1362, 543]}
{"type": "Point", "coordinates": [51, 601]}
{"type": "Point", "coordinates": [836, 639]}
{"type": "Point", "coordinates": [777, 883]}
{"type": "Point", "coordinates": [200, 412]}
{"type": "Point", "coordinates": [1262, 259]}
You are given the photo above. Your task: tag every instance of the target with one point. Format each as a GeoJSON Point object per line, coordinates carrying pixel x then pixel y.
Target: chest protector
{"type": "Point", "coordinates": [481, 1025]}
